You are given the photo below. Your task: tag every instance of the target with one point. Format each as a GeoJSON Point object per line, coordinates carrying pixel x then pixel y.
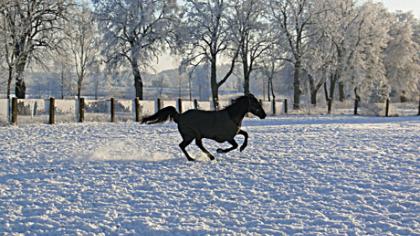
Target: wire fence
{"type": "Point", "coordinates": [51, 111]}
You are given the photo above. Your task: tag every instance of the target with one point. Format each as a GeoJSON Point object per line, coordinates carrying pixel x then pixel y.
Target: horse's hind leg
{"type": "Point", "coordinates": [234, 146]}
{"type": "Point", "coordinates": [200, 145]}
{"type": "Point", "coordinates": [183, 145]}
{"type": "Point", "coordinates": [245, 134]}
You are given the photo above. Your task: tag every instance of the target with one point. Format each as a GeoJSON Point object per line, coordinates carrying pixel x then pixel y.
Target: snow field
{"type": "Point", "coordinates": [299, 175]}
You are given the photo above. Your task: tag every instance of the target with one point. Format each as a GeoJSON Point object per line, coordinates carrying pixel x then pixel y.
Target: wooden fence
{"type": "Point", "coordinates": [53, 110]}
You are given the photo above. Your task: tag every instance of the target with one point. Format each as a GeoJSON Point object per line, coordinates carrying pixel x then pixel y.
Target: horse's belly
{"type": "Point", "coordinates": [221, 136]}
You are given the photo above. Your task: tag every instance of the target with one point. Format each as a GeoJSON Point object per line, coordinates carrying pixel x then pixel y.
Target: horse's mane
{"type": "Point", "coordinates": [240, 98]}
{"type": "Point", "coordinates": [236, 100]}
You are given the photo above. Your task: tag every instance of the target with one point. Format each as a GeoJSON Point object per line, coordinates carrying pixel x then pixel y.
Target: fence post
{"type": "Point", "coordinates": [273, 106]}
{"type": "Point", "coordinates": [14, 111]}
{"type": "Point", "coordinates": [179, 105]}
{"type": "Point", "coordinates": [285, 106]}
{"type": "Point", "coordinates": [158, 104]}
{"type": "Point", "coordinates": [81, 110]}
{"type": "Point", "coordinates": [195, 104]}
{"type": "Point", "coordinates": [112, 110]}
{"type": "Point", "coordinates": [52, 111]}
{"type": "Point", "coordinates": [137, 108]}
{"type": "Point", "coordinates": [387, 107]}
{"type": "Point", "coordinates": [356, 105]}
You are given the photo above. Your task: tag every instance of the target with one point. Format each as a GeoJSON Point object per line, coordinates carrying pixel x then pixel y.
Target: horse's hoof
{"type": "Point", "coordinates": [190, 159]}
{"type": "Point", "coordinates": [219, 150]}
{"type": "Point", "coordinates": [212, 158]}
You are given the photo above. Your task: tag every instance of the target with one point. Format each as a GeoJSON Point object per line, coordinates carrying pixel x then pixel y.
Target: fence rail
{"type": "Point", "coordinates": [51, 111]}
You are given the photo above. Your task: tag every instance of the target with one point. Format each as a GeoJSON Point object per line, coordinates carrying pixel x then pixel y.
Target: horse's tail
{"type": "Point", "coordinates": [167, 113]}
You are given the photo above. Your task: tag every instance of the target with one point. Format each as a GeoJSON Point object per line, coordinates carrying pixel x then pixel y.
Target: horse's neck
{"type": "Point", "coordinates": [237, 112]}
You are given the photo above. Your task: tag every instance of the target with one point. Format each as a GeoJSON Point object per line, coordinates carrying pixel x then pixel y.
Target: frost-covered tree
{"type": "Point", "coordinates": [134, 32]}
{"type": "Point", "coordinates": [6, 53]}
{"type": "Point", "coordinates": [341, 21]}
{"type": "Point", "coordinates": [251, 33]}
{"type": "Point", "coordinates": [81, 40]}
{"type": "Point", "coordinates": [335, 37]}
{"type": "Point", "coordinates": [293, 18]}
{"type": "Point", "coordinates": [402, 57]}
{"type": "Point", "coordinates": [270, 64]}
{"type": "Point", "coordinates": [358, 34]}
{"type": "Point", "coordinates": [30, 25]}
{"type": "Point", "coordinates": [318, 64]}
{"type": "Point", "coordinates": [372, 81]}
{"type": "Point", "coordinates": [205, 37]}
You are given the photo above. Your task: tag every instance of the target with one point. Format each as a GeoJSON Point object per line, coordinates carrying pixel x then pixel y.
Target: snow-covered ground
{"type": "Point", "coordinates": [300, 174]}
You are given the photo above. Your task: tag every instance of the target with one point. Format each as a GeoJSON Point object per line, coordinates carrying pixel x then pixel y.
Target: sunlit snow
{"type": "Point", "coordinates": [299, 174]}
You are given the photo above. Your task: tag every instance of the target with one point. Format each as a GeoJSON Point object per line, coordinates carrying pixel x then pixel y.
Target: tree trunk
{"type": "Point", "coordinates": [314, 91]}
{"type": "Point", "coordinates": [327, 98]}
{"type": "Point", "coordinates": [246, 77]}
{"type": "Point", "coordinates": [138, 82]}
{"type": "Point", "coordinates": [272, 88]}
{"type": "Point", "coordinates": [80, 83]}
{"type": "Point", "coordinates": [296, 85]}
{"type": "Point", "coordinates": [96, 86]}
{"type": "Point", "coordinates": [313, 97]}
{"type": "Point", "coordinates": [333, 82]}
{"type": "Point", "coordinates": [356, 95]}
{"type": "Point", "coordinates": [214, 86]}
{"type": "Point", "coordinates": [62, 81]}
{"type": "Point", "coordinates": [20, 87]}
{"type": "Point", "coordinates": [341, 91]}
{"type": "Point", "coordinates": [189, 87]}
{"type": "Point", "coordinates": [9, 81]}
{"type": "Point", "coordinates": [79, 88]}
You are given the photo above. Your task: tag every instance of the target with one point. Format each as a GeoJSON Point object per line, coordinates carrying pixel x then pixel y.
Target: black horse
{"type": "Point", "coordinates": [220, 126]}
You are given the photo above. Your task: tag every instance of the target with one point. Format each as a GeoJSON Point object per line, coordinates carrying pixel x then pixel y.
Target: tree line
{"type": "Point", "coordinates": [344, 47]}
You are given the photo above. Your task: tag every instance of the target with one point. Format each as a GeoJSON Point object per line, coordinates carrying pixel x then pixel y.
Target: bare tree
{"type": "Point", "coordinates": [30, 25]}
{"type": "Point", "coordinates": [6, 49]}
{"type": "Point", "coordinates": [294, 17]}
{"type": "Point", "coordinates": [270, 65]}
{"type": "Point", "coordinates": [402, 57]}
{"type": "Point", "coordinates": [342, 21]}
{"type": "Point", "coordinates": [251, 33]}
{"type": "Point", "coordinates": [318, 63]}
{"type": "Point", "coordinates": [134, 31]}
{"type": "Point", "coordinates": [81, 39]}
{"type": "Point", "coordinates": [205, 37]}
{"type": "Point", "coordinates": [373, 83]}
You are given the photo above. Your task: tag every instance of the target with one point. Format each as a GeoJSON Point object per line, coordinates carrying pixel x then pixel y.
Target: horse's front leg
{"type": "Point", "coordinates": [200, 145]}
{"type": "Point", "coordinates": [245, 134]}
{"type": "Point", "coordinates": [234, 146]}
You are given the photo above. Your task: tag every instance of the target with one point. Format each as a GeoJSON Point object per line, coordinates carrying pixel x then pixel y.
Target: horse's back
{"type": "Point", "coordinates": [199, 118]}
{"type": "Point", "coordinates": [215, 125]}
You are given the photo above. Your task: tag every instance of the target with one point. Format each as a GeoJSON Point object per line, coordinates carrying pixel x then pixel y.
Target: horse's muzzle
{"type": "Point", "coordinates": [262, 116]}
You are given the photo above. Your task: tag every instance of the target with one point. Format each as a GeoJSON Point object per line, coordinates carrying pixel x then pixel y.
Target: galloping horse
{"type": "Point", "coordinates": [220, 126]}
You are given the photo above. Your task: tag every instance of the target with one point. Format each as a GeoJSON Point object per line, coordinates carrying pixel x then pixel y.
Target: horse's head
{"type": "Point", "coordinates": [255, 107]}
